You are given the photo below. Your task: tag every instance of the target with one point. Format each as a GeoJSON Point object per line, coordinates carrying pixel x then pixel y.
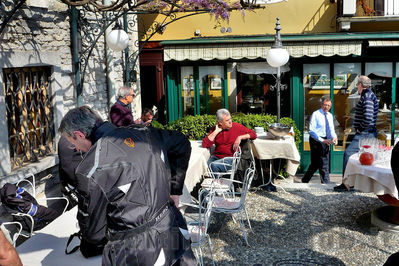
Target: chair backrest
{"type": "Point", "coordinates": [249, 175]}
{"type": "Point", "coordinates": [10, 236]}
{"type": "Point", "coordinates": [206, 198]}
{"type": "Point", "coordinates": [235, 162]}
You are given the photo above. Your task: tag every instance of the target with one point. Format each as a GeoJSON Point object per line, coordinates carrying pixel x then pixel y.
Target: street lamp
{"type": "Point", "coordinates": [277, 56]}
{"type": "Point", "coordinates": [117, 39]}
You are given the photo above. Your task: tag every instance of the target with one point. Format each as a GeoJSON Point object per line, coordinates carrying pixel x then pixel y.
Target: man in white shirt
{"type": "Point", "coordinates": [322, 135]}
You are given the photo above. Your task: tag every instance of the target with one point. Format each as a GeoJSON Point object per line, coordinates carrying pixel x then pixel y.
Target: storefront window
{"type": "Point", "coordinates": [251, 95]}
{"type": "Point", "coordinates": [257, 94]}
{"type": "Point", "coordinates": [187, 90]}
{"type": "Point", "coordinates": [211, 84]}
{"type": "Point", "coordinates": [316, 84]}
{"type": "Point", "coordinates": [381, 82]}
{"type": "Point", "coordinates": [345, 100]}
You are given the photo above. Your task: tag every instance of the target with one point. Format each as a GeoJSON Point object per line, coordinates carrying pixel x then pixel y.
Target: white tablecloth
{"type": "Point", "coordinates": [266, 148]}
{"type": "Point", "coordinates": [196, 168]}
{"type": "Point", "coordinates": [377, 178]}
{"type": "Point", "coordinates": [47, 246]}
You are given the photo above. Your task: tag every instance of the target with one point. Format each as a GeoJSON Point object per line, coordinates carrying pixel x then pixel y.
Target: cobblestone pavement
{"type": "Point", "coordinates": [304, 227]}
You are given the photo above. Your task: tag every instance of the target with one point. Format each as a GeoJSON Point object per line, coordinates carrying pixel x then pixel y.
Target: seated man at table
{"type": "Point", "coordinates": [322, 135]}
{"type": "Point", "coordinates": [227, 137]}
{"type": "Point", "coordinates": [146, 117]}
{"type": "Point", "coordinates": [120, 113]}
{"type": "Point", "coordinates": [129, 182]}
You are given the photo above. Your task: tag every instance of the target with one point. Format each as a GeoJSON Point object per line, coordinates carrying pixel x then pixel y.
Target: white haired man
{"type": "Point", "coordinates": [227, 137]}
{"type": "Point", "coordinates": [120, 113]}
{"type": "Point", "coordinates": [365, 122]}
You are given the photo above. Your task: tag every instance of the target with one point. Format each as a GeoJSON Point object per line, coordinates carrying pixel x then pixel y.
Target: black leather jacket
{"type": "Point", "coordinates": [125, 181]}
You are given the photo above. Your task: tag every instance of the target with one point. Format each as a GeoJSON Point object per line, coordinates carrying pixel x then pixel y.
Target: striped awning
{"type": "Point", "coordinates": [383, 43]}
{"type": "Point", "coordinates": [224, 51]}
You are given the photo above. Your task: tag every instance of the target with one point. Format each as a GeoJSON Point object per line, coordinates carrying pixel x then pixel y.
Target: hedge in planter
{"type": "Point", "coordinates": [197, 127]}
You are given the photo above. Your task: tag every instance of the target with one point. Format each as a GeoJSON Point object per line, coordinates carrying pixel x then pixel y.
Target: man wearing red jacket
{"type": "Point", "coordinates": [226, 136]}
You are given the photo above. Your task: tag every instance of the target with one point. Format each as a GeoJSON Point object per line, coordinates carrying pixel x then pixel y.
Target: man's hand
{"type": "Point", "coordinates": [218, 129]}
{"type": "Point", "coordinates": [328, 141]}
{"type": "Point", "coordinates": [213, 135]}
{"type": "Point", "coordinates": [335, 141]}
{"type": "Point", "coordinates": [237, 143]}
{"type": "Point", "coordinates": [175, 198]}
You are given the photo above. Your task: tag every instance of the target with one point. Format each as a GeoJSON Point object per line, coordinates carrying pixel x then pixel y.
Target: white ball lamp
{"type": "Point", "coordinates": [117, 39]}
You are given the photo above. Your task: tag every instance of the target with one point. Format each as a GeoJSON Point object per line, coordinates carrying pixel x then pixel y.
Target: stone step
{"type": "Point", "coordinates": [314, 184]}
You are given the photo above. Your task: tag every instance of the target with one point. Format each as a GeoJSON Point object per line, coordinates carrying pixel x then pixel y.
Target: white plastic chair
{"type": "Point", "coordinates": [234, 203]}
{"type": "Point", "coordinates": [217, 180]}
{"type": "Point", "coordinates": [198, 228]}
{"type": "Point", "coordinates": [32, 187]}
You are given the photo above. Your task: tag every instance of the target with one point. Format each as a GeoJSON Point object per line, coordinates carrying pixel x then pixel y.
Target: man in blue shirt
{"type": "Point", "coordinates": [322, 135]}
{"type": "Point", "coordinates": [365, 121]}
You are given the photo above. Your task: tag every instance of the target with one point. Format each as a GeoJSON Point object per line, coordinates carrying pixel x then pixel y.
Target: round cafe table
{"type": "Point", "coordinates": [378, 179]}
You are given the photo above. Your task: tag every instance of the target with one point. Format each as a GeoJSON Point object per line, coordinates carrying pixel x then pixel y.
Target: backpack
{"type": "Point", "coordinates": [17, 200]}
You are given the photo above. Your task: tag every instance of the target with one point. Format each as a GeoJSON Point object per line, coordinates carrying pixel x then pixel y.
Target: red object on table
{"type": "Point", "coordinates": [366, 158]}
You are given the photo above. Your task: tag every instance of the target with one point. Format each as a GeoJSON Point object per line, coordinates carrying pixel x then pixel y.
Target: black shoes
{"type": "Point", "coordinates": [343, 188]}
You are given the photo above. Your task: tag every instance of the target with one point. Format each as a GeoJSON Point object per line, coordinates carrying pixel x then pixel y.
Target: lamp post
{"type": "Point", "coordinates": [277, 56]}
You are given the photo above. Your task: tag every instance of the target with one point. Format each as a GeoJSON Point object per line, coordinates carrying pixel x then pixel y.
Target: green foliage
{"type": "Point", "coordinates": [194, 127]}
{"type": "Point", "coordinates": [156, 124]}
{"type": "Point", "coordinates": [197, 127]}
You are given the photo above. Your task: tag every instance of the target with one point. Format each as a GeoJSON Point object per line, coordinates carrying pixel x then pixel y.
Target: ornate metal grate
{"type": "Point", "coordinates": [29, 114]}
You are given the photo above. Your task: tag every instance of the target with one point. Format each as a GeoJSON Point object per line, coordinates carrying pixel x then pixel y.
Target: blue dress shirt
{"type": "Point", "coordinates": [317, 127]}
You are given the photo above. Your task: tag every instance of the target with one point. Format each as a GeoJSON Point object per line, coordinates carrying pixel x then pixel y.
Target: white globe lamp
{"type": "Point", "coordinates": [277, 57]}
{"type": "Point", "coordinates": [117, 39]}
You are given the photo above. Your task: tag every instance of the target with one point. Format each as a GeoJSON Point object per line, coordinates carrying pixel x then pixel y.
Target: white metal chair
{"type": "Point", "coordinates": [214, 178]}
{"type": "Point", "coordinates": [32, 186]}
{"type": "Point", "coordinates": [235, 202]}
{"type": "Point", "coordinates": [12, 238]}
{"type": "Point", "coordinates": [198, 228]}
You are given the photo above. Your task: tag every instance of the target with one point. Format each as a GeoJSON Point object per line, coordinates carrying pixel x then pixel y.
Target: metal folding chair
{"type": "Point", "coordinates": [11, 237]}
{"type": "Point", "coordinates": [32, 186]}
{"type": "Point", "coordinates": [198, 228]}
{"type": "Point", "coordinates": [217, 180]}
{"type": "Point", "coordinates": [234, 203]}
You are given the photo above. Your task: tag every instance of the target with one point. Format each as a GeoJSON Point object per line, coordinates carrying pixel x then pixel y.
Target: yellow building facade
{"type": "Point", "coordinates": [209, 64]}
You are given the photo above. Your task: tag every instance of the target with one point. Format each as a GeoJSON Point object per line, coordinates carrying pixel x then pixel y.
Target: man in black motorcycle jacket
{"type": "Point", "coordinates": [126, 180]}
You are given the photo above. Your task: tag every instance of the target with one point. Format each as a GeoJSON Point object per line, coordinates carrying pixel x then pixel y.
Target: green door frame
{"type": "Point", "coordinates": [173, 88]}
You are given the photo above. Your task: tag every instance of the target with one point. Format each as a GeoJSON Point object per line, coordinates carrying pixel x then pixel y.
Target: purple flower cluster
{"type": "Point", "coordinates": [218, 8]}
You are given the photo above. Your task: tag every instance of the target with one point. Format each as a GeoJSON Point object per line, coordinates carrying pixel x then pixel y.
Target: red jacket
{"type": "Point", "coordinates": [224, 140]}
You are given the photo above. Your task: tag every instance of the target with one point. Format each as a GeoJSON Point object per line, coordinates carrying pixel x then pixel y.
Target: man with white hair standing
{"type": "Point", "coordinates": [227, 137]}
{"type": "Point", "coordinates": [120, 113]}
{"type": "Point", "coordinates": [365, 122]}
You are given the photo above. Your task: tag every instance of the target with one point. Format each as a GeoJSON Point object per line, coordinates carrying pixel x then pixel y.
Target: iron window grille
{"type": "Point", "coordinates": [29, 114]}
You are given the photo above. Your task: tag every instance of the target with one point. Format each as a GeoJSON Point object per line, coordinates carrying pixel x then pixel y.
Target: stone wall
{"type": "Point", "coordinates": [40, 34]}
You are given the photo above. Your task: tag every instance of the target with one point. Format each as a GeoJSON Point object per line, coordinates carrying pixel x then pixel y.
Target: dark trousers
{"type": "Point", "coordinates": [319, 154]}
